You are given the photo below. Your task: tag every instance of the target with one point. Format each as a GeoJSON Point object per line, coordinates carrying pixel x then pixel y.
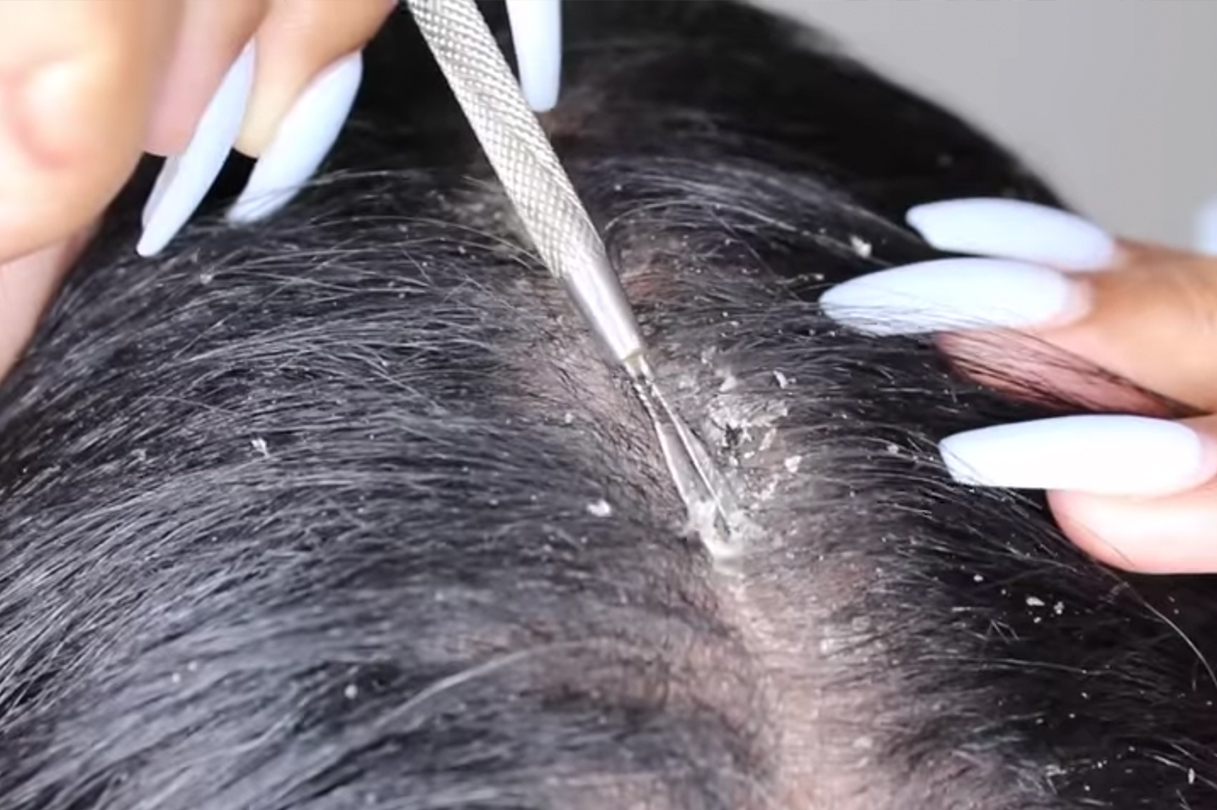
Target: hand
{"type": "Point", "coordinates": [1137, 491]}
{"type": "Point", "coordinates": [90, 84]}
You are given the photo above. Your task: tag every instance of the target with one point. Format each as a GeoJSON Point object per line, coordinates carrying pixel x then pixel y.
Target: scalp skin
{"type": "Point", "coordinates": [345, 510]}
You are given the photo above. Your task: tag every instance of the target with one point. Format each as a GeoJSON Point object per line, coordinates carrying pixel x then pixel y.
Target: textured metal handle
{"type": "Point", "coordinates": [563, 234]}
{"type": "Point", "coordinates": [527, 166]}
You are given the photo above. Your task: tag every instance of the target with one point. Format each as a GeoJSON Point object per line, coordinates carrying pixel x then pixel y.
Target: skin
{"type": "Point", "coordinates": [1153, 321]}
{"type": "Point", "coordinates": [90, 87]}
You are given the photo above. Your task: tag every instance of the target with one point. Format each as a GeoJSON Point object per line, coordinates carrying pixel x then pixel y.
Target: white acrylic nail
{"type": "Point", "coordinates": [1013, 229]}
{"type": "Point", "coordinates": [955, 294]}
{"type": "Point", "coordinates": [302, 141]}
{"type": "Point", "coordinates": [536, 31]}
{"type": "Point", "coordinates": [1109, 455]}
{"type": "Point", "coordinates": [186, 178]}
{"type": "Point", "coordinates": [1204, 238]}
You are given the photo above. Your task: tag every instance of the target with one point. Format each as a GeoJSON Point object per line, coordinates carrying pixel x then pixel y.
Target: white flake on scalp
{"type": "Point", "coordinates": [600, 508]}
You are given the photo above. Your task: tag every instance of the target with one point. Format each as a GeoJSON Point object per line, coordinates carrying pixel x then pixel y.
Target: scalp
{"type": "Point", "coordinates": [346, 510]}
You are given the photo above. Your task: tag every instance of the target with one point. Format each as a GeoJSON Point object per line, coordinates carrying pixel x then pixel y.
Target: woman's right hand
{"type": "Point", "coordinates": [90, 84]}
{"type": "Point", "coordinates": [1137, 491]}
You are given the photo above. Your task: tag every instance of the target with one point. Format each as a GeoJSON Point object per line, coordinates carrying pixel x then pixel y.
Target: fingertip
{"type": "Point", "coordinates": [953, 294]}
{"type": "Point", "coordinates": [1014, 229]}
{"type": "Point", "coordinates": [185, 179]}
{"type": "Point", "coordinates": [536, 29]}
{"type": "Point", "coordinates": [1174, 535]}
{"type": "Point", "coordinates": [1204, 234]}
{"type": "Point", "coordinates": [1075, 515]}
{"type": "Point", "coordinates": [211, 37]}
{"type": "Point", "coordinates": [1108, 454]}
{"type": "Point", "coordinates": [304, 139]}
{"type": "Point", "coordinates": [298, 42]}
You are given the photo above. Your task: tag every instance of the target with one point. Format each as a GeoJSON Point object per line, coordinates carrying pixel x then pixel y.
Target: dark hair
{"type": "Point", "coordinates": [346, 511]}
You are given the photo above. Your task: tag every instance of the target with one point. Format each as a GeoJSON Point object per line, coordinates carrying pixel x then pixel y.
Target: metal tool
{"type": "Point", "coordinates": [564, 236]}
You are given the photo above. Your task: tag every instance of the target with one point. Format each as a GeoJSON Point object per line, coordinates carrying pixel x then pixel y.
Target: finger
{"type": "Point", "coordinates": [307, 133]}
{"type": "Point", "coordinates": [1101, 454]}
{"type": "Point", "coordinates": [536, 32]}
{"type": "Point", "coordinates": [77, 94]}
{"type": "Point", "coordinates": [297, 41]}
{"type": "Point", "coordinates": [1204, 229]}
{"type": "Point", "coordinates": [1027, 232]}
{"type": "Point", "coordinates": [1154, 323]}
{"type": "Point", "coordinates": [1148, 315]}
{"type": "Point", "coordinates": [211, 36]}
{"type": "Point", "coordinates": [1030, 370]}
{"type": "Point", "coordinates": [1172, 535]}
{"type": "Point", "coordinates": [185, 179]}
{"type": "Point", "coordinates": [1135, 492]}
{"type": "Point", "coordinates": [1015, 230]}
{"type": "Point", "coordinates": [26, 287]}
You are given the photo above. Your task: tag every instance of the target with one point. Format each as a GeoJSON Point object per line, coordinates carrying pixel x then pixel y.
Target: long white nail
{"type": "Point", "coordinates": [1204, 238]}
{"type": "Point", "coordinates": [954, 294]}
{"type": "Point", "coordinates": [304, 137]}
{"type": "Point", "coordinates": [1108, 455]}
{"type": "Point", "coordinates": [1012, 229]}
{"type": "Point", "coordinates": [536, 30]}
{"type": "Point", "coordinates": [185, 179]}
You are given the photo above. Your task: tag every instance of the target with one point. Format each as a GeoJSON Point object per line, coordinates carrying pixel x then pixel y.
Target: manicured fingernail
{"type": "Point", "coordinates": [536, 31]}
{"type": "Point", "coordinates": [1013, 229]}
{"type": "Point", "coordinates": [1108, 455]}
{"type": "Point", "coordinates": [955, 294]}
{"type": "Point", "coordinates": [1204, 238]}
{"type": "Point", "coordinates": [186, 178]}
{"type": "Point", "coordinates": [304, 138]}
